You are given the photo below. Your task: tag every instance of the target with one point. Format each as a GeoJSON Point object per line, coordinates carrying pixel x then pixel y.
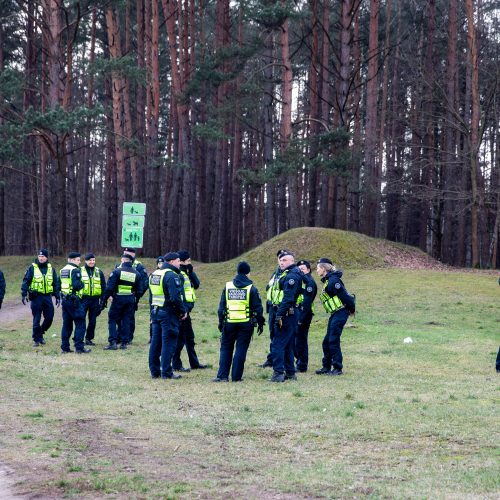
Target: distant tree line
{"type": "Point", "coordinates": [235, 121]}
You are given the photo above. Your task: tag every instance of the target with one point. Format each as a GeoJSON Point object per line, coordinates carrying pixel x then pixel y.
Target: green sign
{"type": "Point", "coordinates": [133, 221]}
{"type": "Point", "coordinates": [130, 208]}
{"type": "Point", "coordinates": [132, 237]}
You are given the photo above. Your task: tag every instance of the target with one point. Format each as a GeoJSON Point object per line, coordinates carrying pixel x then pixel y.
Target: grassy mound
{"type": "Point", "coordinates": [346, 249]}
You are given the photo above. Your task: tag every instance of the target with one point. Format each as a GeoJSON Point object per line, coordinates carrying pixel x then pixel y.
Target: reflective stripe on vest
{"type": "Point", "coordinates": [156, 287]}
{"type": "Point", "coordinates": [91, 284]}
{"type": "Point", "coordinates": [42, 283]}
{"type": "Point", "coordinates": [331, 304]}
{"type": "Point", "coordinates": [188, 289]}
{"type": "Point", "coordinates": [66, 282]}
{"type": "Point", "coordinates": [237, 303]}
{"type": "Point", "coordinates": [128, 277]}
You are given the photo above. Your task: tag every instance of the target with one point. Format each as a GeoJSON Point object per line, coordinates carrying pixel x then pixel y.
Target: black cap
{"type": "Point", "coordinates": [160, 259]}
{"type": "Point", "coordinates": [74, 255]}
{"type": "Point", "coordinates": [304, 263]}
{"type": "Point", "coordinates": [285, 253]}
{"type": "Point", "coordinates": [129, 249]}
{"type": "Point", "coordinates": [44, 252]}
{"type": "Point", "coordinates": [243, 268]}
{"type": "Point", "coordinates": [128, 257]}
{"type": "Point", "coordinates": [184, 255]}
{"type": "Point", "coordinates": [89, 256]}
{"type": "Point", "coordinates": [281, 251]}
{"type": "Point", "coordinates": [325, 260]}
{"type": "Point", "coordinates": [171, 256]}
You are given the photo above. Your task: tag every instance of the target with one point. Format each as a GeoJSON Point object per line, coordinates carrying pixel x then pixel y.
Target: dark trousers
{"type": "Point", "coordinates": [186, 338]}
{"type": "Point", "coordinates": [241, 335]}
{"type": "Point", "coordinates": [332, 354]}
{"type": "Point", "coordinates": [165, 326]}
{"type": "Point", "coordinates": [72, 313]}
{"type": "Point", "coordinates": [272, 315]}
{"type": "Point", "coordinates": [301, 344]}
{"type": "Point", "coordinates": [92, 309]}
{"type": "Point", "coordinates": [41, 305]}
{"type": "Point", "coordinates": [121, 311]}
{"type": "Point", "coordinates": [282, 345]}
{"type": "Point", "coordinates": [131, 328]}
{"type": "Point", "coordinates": [498, 360]}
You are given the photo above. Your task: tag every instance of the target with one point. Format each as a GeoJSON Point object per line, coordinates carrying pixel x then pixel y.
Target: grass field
{"type": "Point", "coordinates": [414, 420]}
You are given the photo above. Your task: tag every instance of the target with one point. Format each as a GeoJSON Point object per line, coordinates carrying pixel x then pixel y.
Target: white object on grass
{"type": "Point", "coordinates": [407, 340]}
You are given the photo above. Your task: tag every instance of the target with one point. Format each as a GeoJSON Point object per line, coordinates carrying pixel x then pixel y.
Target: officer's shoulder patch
{"type": "Point", "coordinates": [291, 282]}
{"type": "Point", "coordinates": [338, 286]}
{"type": "Point", "coordinates": [177, 281]}
{"type": "Point", "coordinates": [309, 289]}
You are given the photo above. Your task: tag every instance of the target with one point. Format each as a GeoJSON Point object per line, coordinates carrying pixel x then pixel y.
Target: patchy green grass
{"type": "Point", "coordinates": [406, 420]}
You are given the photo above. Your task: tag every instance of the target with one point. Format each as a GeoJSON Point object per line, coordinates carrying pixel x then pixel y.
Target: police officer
{"type": "Point", "coordinates": [285, 294]}
{"type": "Point", "coordinates": [305, 314]}
{"type": "Point", "coordinates": [191, 283]}
{"type": "Point", "coordinates": [270, 292]}
{"type": "Point", "coordinates": [2, 288]}
{"type": "Point", "coordinates": [240, 308]}
{"type": "Point", "coordinates": [94, 284]}
{"type": "Point", "coordinates": [72, 307]}
{"type": "Point", "coordinates": [159, 264]}
{"type": "Point", "coordinates": [168, 310]}
{"type": "Point", "coordinates": [339, 303]}
{"type": "Point", "coordinates": [138, 266]}
{"type": "Point", "coordinates": [40, 283]}
{"type": "Point", "coordinates": [125, 286]}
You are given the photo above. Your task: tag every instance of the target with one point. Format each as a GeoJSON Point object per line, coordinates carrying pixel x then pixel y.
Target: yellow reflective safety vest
{"type": "Point", "coordinates": [127, 277]}
{"type": "Point", "coordinates": [156, 287]}
{"type": "Point", "coordinates": [237, 303]}
{"type": "Point", "coordinates": [189, 292]}
{"type": "Point", "coordinates": [331, 304]}
{"type": "Point", "coordinates": [66, 282]}
{"type": "Point", "coordinates": [42, 283]}
{"type": "Point", "coordinates": [274, 293]}
{"type": "Point", "coordinates": [91, 284]}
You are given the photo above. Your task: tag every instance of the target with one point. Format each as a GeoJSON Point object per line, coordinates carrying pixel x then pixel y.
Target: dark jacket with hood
{"type": "Point", "coordinates": [256, 311]}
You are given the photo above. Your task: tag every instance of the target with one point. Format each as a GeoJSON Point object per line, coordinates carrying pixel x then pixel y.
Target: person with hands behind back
{"type": "Point", "coordinates": [240, 308]}
{"type": "Point", "coordinates": [339, 303]}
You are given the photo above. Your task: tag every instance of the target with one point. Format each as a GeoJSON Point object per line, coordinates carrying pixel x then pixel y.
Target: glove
{"type": "Point", "coordinates": [104, 304]}
{"type": "Point", "coordinates": [260, 329]}
{"type": "Point", "coordinates": [189, 268]}
{"type": "Point", "coordinates": [24, 299]}
{"type": "Point", "coordinates": [58, 301]}
{"type": "Point", "coordinates": [278, 321]}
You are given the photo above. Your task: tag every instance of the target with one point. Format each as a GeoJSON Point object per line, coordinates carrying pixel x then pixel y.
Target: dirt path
{"type": "Point", "coordinates": [12, 311]}
{"type": "Point", "coordinates": [6, 479]}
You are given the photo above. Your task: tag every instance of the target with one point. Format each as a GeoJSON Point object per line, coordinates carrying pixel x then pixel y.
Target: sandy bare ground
{"type": "Point", "coordinates": [6, 479]}
{"type": "Point", "coordinates": [13, 311]}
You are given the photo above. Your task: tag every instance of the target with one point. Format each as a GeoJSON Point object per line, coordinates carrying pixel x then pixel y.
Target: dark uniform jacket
{"type": "Point", "coordinates": [173, 290]}
{"type": "Point", "coordinates": [291, 284]}
{"type": "Point", "coordinates": [114, 282]}
{"type": "Point", "coordinates": [335, 286]}
{"type": "Point", "coordinates": [28, 277]}
{"type": "Point", "coordinates": [309, 292]}
{"type": "Point", "coordinates": [2, 288]}
{"type": "Point", "coordinates": [256, 311]}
